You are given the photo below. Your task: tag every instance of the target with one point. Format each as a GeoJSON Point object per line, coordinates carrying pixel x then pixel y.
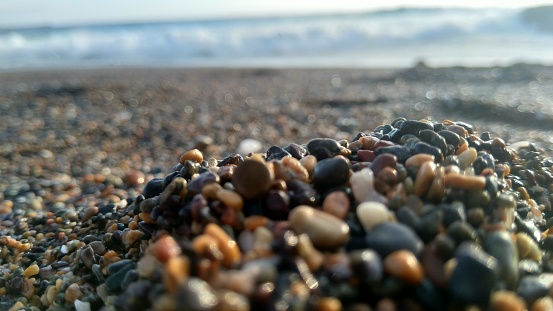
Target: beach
{"type": "Point", "coordinates": [74, 141]}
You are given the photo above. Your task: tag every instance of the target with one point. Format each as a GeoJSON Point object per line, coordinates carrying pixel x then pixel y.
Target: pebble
{"type": "Point", "coordinates": [323, 148]}
{"type": "Point", "coordinates": [425, 176]}
{"type": "Point", "coordinates": [404, 265]}
{"type": "Point", "coordinates": [389, 237]}
{"type": "Point", "coordinates": [251, 179]}
{"type": "Point", "coordinates": [31, 270]}
{"type": "Point", "coordinates": [473, 277]}
{"type": "Point", "coordinates": [228, 247]}
{"type": "Point", "coordinates": [230, 198]}
{"type": "Point", "coordinates": [165, 248]}
{"type": "Point", "coordinates": [324, 230]}
{"type": "Point", "coordinates": [467, 157]}
{"type": "Point", "coordinates": [330, 173]}
{"type": "Point", "coordinates": [337, 203]}
{"type": "Point", "coordinates": [372, 214]}
{"type": "Point", "coordinates": [458, 181]}
{"type": "Point", "coordinates": [249, 145]}
{"type": "Point", "coordinates": [194, 155]}
{"type": "Point", "coordinates": [507, 301]}
{"type": "Point", "coordinates": [500, 245]}
{"type": "Point", "coordinates": [73, 293]}
{"type": "Point", "coordinates": [362, 186]}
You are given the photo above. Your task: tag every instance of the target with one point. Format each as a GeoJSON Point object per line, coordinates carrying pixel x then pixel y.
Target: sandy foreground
{"type": "Point", "coordinates": [77, 145]}
{"type": "Point", "coordinates": [87, 120]}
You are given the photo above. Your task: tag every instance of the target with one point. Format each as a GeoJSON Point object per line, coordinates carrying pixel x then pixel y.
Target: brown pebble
{"type": "Point", "coordinates": [418, 159]}
{"type": "Point", "coordinates": [368, 142]}
{"type": "Point", "coordinates": [310, 254]}
{"type": "Point", "coordinates": [251, 179]}
{"type": "Point", "coordinates": [209, 191]}
{"type": "Point", "coordinates": [388, 175]}
{"type": "Point", "coordinates": [458, 181]}
{"type": "Point", "coordinates": [404, 265]}
{"type": "Point", "coordinates": [230, 199]}
{"type": "Point", "coordinates": [229, 248]}
{"type": "Point", "coordinates": [336, 203]}
{"type": "Point", "coordinates": [253, 222]}
{"type": "Point", "coordinates": [504, 300]}
{"type": "Point", "coordinates": [329, 304]}
{"type": "Point", "coordinates": [6, 207]}
{"type": "Point", "coordinates": [134, 178]}
{"type": "Point", "coordinates": [309, 162]}
{"type": "Point", "coordinates": [207, 246]}
{"type": "Point", "coordinates": [176, 273]}
{"type": "Point", "coordinates": [425, 176]}
{"type": "Point", "coordinates": [31, 270]}
{"type": "Point", "coordinates": [191, 155]}
{"type": "Point", "coordinates": [73, 293]}
{"type": "Point", "coordinates": [129, 237]}
{"type": "Point", "coordinates": [324, 230]}
{"type": "Point", "coordinates": [166, 247]}
{"type": "Point", "coordinates": [543, 304]}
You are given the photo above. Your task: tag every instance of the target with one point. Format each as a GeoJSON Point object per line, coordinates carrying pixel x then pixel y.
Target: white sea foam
{"type": "Point", "coordinates": [394, 38]}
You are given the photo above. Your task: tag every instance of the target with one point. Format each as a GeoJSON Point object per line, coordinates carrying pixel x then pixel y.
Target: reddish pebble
{"type": "Point", "coordinates": [336, 203]}
{"type": "Point", "coordinates": [382, 161]}
{"type": "Point", "coordinates": [134, 178]}
{"type": "Point", "coordinates": [166, 247]}
{"type": "Point", "coordinates": [404, 265]}
{"type": "Point", "coordinates": [366, 155]}
{"type": "Point", "coordinates": [194, 155]}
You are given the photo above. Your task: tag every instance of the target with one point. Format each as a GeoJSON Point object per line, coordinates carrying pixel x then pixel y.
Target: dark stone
{"type": "Point", "coordinates": [500, 245]}
{"type": "Point", "coordinates": [439, 142]}
{"type": "Point", "coordinates": [427, 135]}
{"type": "Point", "coordinates": [153, 188]}
{"type": "Point", "coordinates": [276, 153]}
{"type": "Point", "coordinates": [533, 287]}
{"type": "Point", "coordinates": [451, 138]}
{"type": "Point", "coordinates": [114, 281]}
{"type": "Point", "coordinates": [547, 243]}
{"type": "Point", "coordinates": [429, 225]}
{"type": "Point", "coordinates": [87, 256]}
{"type": "Point", "coordinates": [529, 267]}
{"type": "Point", "coordinates": [323, 148]}
{"type": "Point", "coordinates": [107, 208]}
{"type": "Point", "coordinates": [367, 266]}
{"type": "Point", "coordinates": [170, 177]}
{"type": "Point", "coordinates": [452, 212]}
{"type": "Point", "coordinates": [233, 158]}
{"type": "Point", "coordinates": [382, 161]}
{"type": "Point", "coordinates": [407, 216]}
{"type": "Point", "coordinates": [402, 153]}
{"type": "Point", "coordinates": [122, 264]}
{"type": "Point", "coordinates": [389, 237]}
{"type": "Point", "coordinates": [330, 173]}
{"type": "Point", "coordinates": [414, 127]}
{"type": "Point", "coordinates": [277, 205]}
{"type": "Point", "coordinates": [196, 185]}
{"type": "Point", "coordinates": [461, 232]}
{"type": "Point", "coordinates": [295, 150]}
{"type": "Point", "coordinates": [474, 276]}
{"type": "Point", "coordinates": [422, 147]}
{"type": "Point", "coordinates": [301, 193]}
{"type": "Point", "coordinates": [429, 296]}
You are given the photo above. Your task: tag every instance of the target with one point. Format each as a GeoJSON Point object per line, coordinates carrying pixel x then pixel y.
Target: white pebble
{"type": "Point", "coordinates": [371, 214]}
{"type": "Point", "coordinates": [362, 185]}
{"type": "Point", "coordinates": [81, 305]}
{"type": "Point", "coordinates": [249, 145]}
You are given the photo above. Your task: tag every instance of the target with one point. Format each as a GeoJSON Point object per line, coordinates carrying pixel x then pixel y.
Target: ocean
{"type": "Point", "coordinates": [395, 38]}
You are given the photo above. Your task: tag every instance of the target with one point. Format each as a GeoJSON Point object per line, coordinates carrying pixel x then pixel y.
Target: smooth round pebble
{"type": "Point", "coordinates": [337, 203]}
{"type": "Point", "coordinates": [330, 173]}
{"type": "Point", "coordinates": [251, 179]}
{"type": "Point", "coordinates": [404, 265]}
{"type": "Point", "coordinates": [371, 214]}
{"type": "Point", "coordinates": [323, 229]}
{"type": "Point", "coordinates": [389, 237]}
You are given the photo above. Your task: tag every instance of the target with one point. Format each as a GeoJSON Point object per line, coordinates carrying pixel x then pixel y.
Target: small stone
{"type": "Point", "coordinates": [296, 151]}
{"type": "Point", "coordinates": [474, 276]}
{"type": "Point", "coordinates": [500, 245]}
{"type": "Point", "coordinates": [134, 178]}
{"type": "Point", "coordinates": [527, 247]}
{"type": "Point", "coordinates": [166, 247]}
{"type": "Point", "coordinates": [31, 270]}
{"type": "Point", "coordinates": [330, 173]}
{"type": "Point", "coordinates": [82, 305]}
{"type": "Point", "coordinates": [399, 152]}
{"type": "Point", "coordinates": [98, 247]}
{"type": "Point", "coordinates": [6, 207]}
{"type": "Point", "coordinates": [91, 211]}
{"type": "Point", "coordinates": [87, 257]}
{"type": "Point", "coordinates": [229, 247]}
{"type": "Point", "coordinates": [129, 237]}
{"type": "Point", "coordinates": [425, 176]}
{"type": "Point", "coordinates": [534, 287]}
{"type": "Point", "coordinates": [324, 230]}
{"type": "Point", "coordinates": [176, 273]}
{"type": "Point", "coordinates": [404, 265]}
{"type": "Point", "coordinates": [276, 153]}
{"type": "Point", "coordinates": [467, 157]}
{"type": "Point", "coordinates": [120, 265]}
{"type": "Point", "coordinates": [362, 186]}
{"type": "Point", "coordinates": [230, 199]}
{"type": "Point", "coordinates": [194, 155]}
{"type": "Point", "coordinates": [389, 237]}
{"type": "Point", "coordinates": [506, 301]}
{"type": "Point", "coordinates": [543, 304]}
{"type": "Point", "coordinates": [153, 188]}
{"type": "Point", "coordinates": [329, 304]}
{"type": "Point", "coordinates": [367, 265]}
{"type": "Point", "coordinates": [382, 161]}
{"type": "Point", "coordinates": [251, 179]}
{"type": "Point", "coordinates": [248, 146]}
{"type": "Point", "coordinates": [336, 203]}
{"type": "Point", "coordinates": [465, 182]}
{"type": "Point", "coordinates": [418, 159]}
{"type": "Point", "coordinates": [73, 293]}
{"type": "Point", "coordinates": [414, 127]}
{"type": "Point", "coordinates": [147, 266]}
{"type": "Point", "coordinates": [371, 214]}
{"type": "Point", "coordinates": [323, 148]}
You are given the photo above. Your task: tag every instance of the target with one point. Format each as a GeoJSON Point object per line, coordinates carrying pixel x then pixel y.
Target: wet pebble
{"type": "Point", "coordinates": [330, 173]}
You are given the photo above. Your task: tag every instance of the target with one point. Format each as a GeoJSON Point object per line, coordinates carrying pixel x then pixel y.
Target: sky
{"type": "Point", "coordinates": [28, 13]}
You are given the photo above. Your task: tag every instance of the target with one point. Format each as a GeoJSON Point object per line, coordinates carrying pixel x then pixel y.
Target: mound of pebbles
{"type": "Point", "coordinates": [415, 215]}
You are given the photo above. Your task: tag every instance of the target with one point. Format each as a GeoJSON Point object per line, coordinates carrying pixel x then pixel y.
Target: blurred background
{"type": "Point", "coordinates": [245, 33]}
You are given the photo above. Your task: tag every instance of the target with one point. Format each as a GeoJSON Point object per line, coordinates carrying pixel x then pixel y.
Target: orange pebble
{"type": "Point", "coordinates": [192, 155]}
{"type": "Point", "coordinates": [166, 247]}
